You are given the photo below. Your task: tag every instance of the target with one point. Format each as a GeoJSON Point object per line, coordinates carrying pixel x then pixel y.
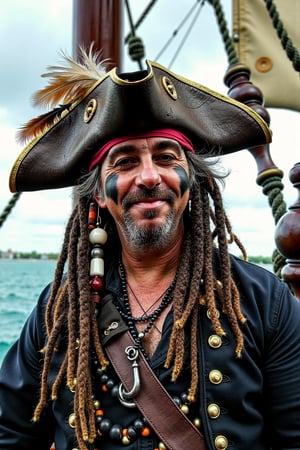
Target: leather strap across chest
{"type": "Point", "coordinates": [174, 429]}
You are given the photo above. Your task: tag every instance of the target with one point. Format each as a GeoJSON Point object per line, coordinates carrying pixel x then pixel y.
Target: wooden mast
{"type": "Point", "coordinates": [99, 22]}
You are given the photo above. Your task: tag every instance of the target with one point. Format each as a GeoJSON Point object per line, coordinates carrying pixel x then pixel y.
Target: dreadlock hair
{"type": "Point", "coordinates": [70, 314]}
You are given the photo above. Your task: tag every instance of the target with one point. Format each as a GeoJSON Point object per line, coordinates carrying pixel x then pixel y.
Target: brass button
{"type": "Point", "coordinates": [72, 420]}
{"type": "Point", "coordinates": [214, 341]}
{"type": "Point", "coordinates": [215, 376]}
{"type": "Point", "coordinates": [221, 442]}
{"type": "Point", "coordinates": [208, 313]}
{"type": "Point", "coordinates": [213, 411]}
{"type": "Point", "coordinates": [264, 64]}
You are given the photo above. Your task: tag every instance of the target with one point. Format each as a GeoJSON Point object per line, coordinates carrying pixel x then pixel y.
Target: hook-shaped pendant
{"type": "Point", "coordinates": [126, 397]}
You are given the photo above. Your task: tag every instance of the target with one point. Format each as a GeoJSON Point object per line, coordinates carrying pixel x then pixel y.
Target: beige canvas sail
{"type": "Point", "coordinates": [258, 46]}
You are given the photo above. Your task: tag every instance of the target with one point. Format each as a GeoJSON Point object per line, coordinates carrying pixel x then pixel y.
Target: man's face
{"type": "Point", "coordinates": [145, 186]}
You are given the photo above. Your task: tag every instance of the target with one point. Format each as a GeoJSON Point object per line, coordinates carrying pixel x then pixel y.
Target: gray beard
{"type": "Point", "coordinates": [146, 237]}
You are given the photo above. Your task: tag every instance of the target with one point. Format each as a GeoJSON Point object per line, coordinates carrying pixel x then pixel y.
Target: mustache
{"type": "Point", "coordinates": [145, 194]}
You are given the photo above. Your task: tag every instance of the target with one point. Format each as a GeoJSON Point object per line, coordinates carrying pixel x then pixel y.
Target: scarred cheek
{"type": "Point", "coordinates": [111, 187]}
{"type": "Point", "coordinates": [184, 179]}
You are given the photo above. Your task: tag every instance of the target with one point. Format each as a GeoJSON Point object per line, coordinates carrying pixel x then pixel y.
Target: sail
{"type": "Point", "coordinates": [258, 46]}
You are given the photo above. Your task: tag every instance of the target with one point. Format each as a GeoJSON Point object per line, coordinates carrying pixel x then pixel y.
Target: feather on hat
{"type": "Point", "coordinates": [96, 106]}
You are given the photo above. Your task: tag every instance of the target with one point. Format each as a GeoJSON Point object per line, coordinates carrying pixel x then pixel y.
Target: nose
{"type": "Point", "coordinates": [148, 176]}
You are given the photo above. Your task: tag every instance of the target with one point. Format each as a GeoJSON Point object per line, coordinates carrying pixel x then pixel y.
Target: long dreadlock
{"type": "Point", "coordinates": [71, 311]}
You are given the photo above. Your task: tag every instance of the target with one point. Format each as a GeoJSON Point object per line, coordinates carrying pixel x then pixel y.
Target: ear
{"type": "Point", "coordinates": [99, 197]}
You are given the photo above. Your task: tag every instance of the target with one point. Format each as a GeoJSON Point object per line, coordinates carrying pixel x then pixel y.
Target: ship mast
{"type": "Point", "coordinates": [99, 22]}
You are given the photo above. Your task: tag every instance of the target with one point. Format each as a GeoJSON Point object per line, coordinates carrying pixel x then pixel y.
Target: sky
{"type": "Point", "coordinates": [32, 35]}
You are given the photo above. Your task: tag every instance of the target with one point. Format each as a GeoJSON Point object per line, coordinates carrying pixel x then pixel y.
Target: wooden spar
{"type": "Point", "coordinates": [287, 233]}
{"type": "Point", "coordinates": [287, 236]}
{"type": "Point", "coordinates": [99, 22]}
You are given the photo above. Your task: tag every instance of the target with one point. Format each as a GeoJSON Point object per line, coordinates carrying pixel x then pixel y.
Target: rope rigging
{"type": "Point", "coordinates": [287, 44]}
{"type": "Point", "coordinates": [222, 23]}
{"type": "Point", "coordinates": [199, 4]}
{"type": "Point", "coordinates": [187, 33]}
{"type": "Point", "coordinates": [7, 210]}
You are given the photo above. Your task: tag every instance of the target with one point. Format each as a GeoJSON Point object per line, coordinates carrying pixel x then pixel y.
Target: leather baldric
{"type": "Point", "coordinates": [169, 423]}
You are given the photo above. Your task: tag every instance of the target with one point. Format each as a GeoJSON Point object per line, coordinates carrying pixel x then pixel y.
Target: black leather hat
{"type": "Point", "coordinates": [125, 104]}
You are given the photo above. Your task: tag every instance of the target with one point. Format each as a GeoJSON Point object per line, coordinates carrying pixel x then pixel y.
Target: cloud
{"type": "Point", "coordinates": [31, 33]}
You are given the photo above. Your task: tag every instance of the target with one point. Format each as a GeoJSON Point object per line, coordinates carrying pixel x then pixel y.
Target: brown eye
{"type": "Point", "coordinates": [125, 162]}
{"type": "Point", "coordinates": [165, 158]}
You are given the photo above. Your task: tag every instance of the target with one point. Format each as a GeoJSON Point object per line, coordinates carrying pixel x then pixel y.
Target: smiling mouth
{"type": "Point", "coordinates": [149, 203]}
{"type": "Point", "coordinates": [149, 200]}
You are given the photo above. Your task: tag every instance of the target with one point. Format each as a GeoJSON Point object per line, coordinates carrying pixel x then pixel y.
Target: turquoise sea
{"type": "Point", "coordinates": [21, 282]}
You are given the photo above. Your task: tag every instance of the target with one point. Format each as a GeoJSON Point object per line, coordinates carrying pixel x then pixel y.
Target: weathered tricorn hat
{"type": "Point", "coordinates": [99, 106]}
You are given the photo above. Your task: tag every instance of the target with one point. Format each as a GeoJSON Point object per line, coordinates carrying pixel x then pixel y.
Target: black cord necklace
{"type": "Point", "coordinates": [150, 318]}
{"type": "Point", "coordinates": [139, 427]}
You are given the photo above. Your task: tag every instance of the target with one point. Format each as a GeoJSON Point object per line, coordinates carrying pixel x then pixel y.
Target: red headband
{"type": "Point", "coordinates": [163, 132]}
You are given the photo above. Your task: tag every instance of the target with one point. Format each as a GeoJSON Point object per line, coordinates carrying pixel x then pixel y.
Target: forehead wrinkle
{"type": "Point", "coordinates": [165, 143]}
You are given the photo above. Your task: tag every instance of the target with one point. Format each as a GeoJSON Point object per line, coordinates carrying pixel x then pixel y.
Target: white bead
{"type": "Point", "coordinates": [98, 236]}
{"type": "Point", "coordinates": [97, 267]}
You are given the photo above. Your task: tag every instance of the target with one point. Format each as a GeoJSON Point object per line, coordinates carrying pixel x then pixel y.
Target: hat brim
{"type": "Point", "coordinates": [125, 104]}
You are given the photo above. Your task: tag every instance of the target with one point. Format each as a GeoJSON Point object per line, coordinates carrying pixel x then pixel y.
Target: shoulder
{"type": "Point", "coordinates": [253, 280]}
{"type": "Point", "coordinates": [265, 298]}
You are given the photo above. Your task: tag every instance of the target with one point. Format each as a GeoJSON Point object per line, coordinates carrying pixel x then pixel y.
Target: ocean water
{"type": "Point", "coordinates": [21, 282]}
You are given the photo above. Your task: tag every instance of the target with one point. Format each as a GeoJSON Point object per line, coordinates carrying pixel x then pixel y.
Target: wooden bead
{"type": "Point", "coordinates": [145, 431]}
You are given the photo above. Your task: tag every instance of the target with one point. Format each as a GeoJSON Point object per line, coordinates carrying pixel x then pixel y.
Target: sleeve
{"type": "Point", "coordinates": [282, 372]}
{"type": "Point", "coordinates": [20, 387]}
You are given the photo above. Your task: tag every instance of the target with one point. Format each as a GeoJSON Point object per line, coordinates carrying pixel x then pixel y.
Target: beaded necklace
{"type": "Point", "coordinates": [150, 318]}
{"type": "Point", "coordinates": [140, 426]}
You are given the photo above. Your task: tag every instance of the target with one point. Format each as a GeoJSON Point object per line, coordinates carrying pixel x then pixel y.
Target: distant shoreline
{"type": "Point", "coordinates": [260, 260]}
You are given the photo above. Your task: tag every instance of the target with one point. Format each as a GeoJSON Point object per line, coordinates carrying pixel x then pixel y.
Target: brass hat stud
{"type": "Point", "coordinates": [90, 110]}
{"type": "Point", "coordinates": [169, 87]}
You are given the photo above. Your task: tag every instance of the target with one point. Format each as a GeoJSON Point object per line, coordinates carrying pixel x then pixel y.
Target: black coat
{"type": "Point", "coordinates": [247, 403]}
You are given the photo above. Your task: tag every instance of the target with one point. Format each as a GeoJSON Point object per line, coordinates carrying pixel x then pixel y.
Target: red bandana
{"type": "Point", "coordinates": [163, 132]}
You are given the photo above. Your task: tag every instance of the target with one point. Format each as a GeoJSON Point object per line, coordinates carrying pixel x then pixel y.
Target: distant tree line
{"type": "Point", "coordinates": [28, 255]}
{"type": "Point", "coordinates": [260, 259]}
{"type": "Point", "coordinates": [53, 256]}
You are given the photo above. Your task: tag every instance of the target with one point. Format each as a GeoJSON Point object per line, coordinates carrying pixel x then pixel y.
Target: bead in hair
{"type": "Point", "coordinates": [97, 238]}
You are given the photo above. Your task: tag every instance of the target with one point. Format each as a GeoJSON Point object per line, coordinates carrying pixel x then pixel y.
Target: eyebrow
{"type": "Point", "coordinates": [129, 149]}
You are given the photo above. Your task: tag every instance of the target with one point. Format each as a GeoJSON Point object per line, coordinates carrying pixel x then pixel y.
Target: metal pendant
{"type": "Point", "coordinates": [126, 397]}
